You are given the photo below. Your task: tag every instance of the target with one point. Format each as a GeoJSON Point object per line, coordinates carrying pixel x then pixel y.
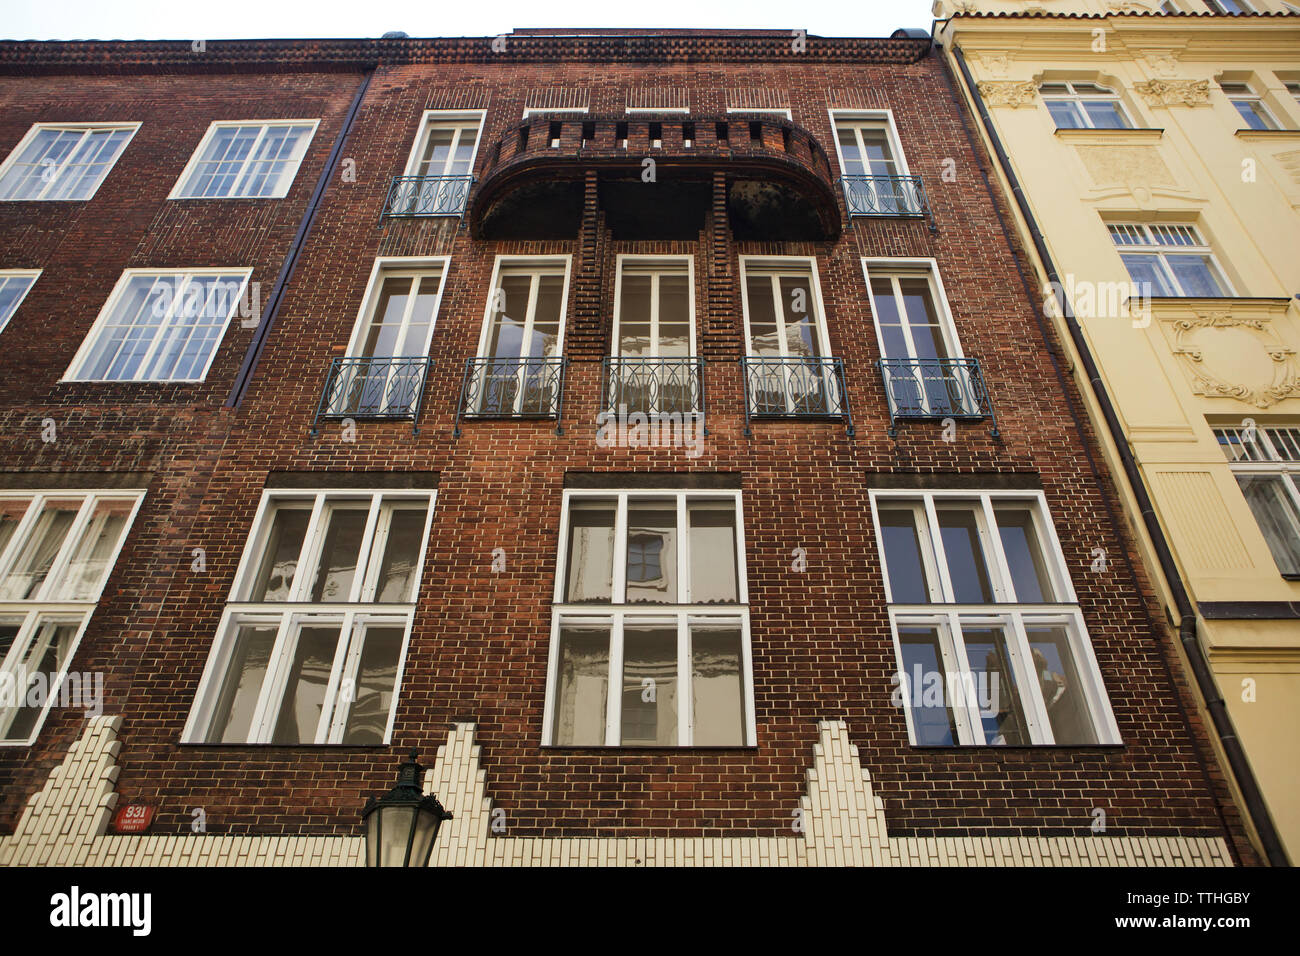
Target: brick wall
{"type": "Point", "coordinates": [821, 639]}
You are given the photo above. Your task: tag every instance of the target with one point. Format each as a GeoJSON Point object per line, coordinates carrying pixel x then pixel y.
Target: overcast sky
{"type": "Point", "coordinates": [230, 19]}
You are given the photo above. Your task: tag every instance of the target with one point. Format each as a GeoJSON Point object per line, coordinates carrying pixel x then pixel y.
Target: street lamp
{"type": "Point", "coordinates": [402, 825]}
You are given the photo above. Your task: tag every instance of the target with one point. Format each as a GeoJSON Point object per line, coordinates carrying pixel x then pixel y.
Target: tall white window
{"type": "Point", "coordinates": [311, 644]}
{"type": "Point", "coordinates": [63, 161]}
{"type": "Point", "coordinates": [56, 551]}
{"type": "Point", "coordinates": [1169, 260]}
{"type": "Point", "coordinates": [160, 326]}
{"type": "Point", "coordinates": [1249, 106]}
{"type": "Point", "coordinates": [14, 286]}
{"type": "Point", "coordinates": [654, 367]}
{"type": "Point", "coordinates": [650, 628]}
{"type": "Point", "coordinates": [441, 165]}
{"type": "Point", "coordinates": [253, 159]}
{"type": "Point", "coordinates": [875, 175]}
{"type": "Point", "coordinates": [1084, 106]}
{"type": "Point", "coordinates": [1266, 464]}
{"type": "Point", "coordinates": [992, 648]}
{"type": "Point", "coordinates": [517, 372]}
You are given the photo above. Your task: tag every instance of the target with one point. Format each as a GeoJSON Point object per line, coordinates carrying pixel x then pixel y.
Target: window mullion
{"type": "Point", "coordinates": [683, 553]}
{"type": "Point", "coordinates": [366, 555]}
{"type": "Point", "coordinates": [1003, 589]}
{"type": "Point", "coordinates": [261, 727]}
{"type": "Point", "coordinates": [614, 697]}
{"type": "Point", "coordinates": [654, 314]}
{"type": "Point", "coordinates": [530, 315]}
{"type": "Point", "coordinates": [957, 665]}
{"type": "Point", "coordinates": [1022, 657]}
{"type": "Point", "coordinates": [685, 710]}
{"type": "Point", "coordinates": [309, 555]}
{"type": "Point", "coordinates": [940, 555]}
{"type": "Point", "coordinates": [618, 580]}
{"type": "Point", "coordinates": [334, 710]}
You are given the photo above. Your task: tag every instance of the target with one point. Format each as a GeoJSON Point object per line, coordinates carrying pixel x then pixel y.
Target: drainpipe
{"type": "Point", "coordinates": [1205, 681]}
{"type": "Point", "coordinates": [245, 377]}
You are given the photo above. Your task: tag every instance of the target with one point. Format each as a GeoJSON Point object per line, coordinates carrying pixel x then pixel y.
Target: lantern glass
{"type": "Point", "coordinates": [394, 834]}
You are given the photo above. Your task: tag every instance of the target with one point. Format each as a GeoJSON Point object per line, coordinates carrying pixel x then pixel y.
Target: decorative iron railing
{"type": "Point", "coordinates": [512, 388]}
{"type": "Point", "coordinates": [806, 388]}
{"type": "Point", "coordinates": [428, 196]}
{"type": "Point", "coordinates": [373, 387]}
{"type": "Point", "coordinates": [884, 195]}
{"type": "Point", "coordinates": [935, 389]}
{"type": "Point", "coordinates": [655, 387]}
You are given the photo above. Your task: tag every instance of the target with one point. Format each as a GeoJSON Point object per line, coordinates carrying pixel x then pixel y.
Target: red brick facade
{"type": "Point", "coordinates": [821, 639]}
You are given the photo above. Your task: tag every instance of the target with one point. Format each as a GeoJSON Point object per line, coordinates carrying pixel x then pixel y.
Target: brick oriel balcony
{"type": "Point", "coordinates": [655, 174]}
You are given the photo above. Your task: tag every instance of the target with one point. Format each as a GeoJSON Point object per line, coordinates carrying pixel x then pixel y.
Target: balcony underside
{"type": "Point", "coordinates": [543, 199]}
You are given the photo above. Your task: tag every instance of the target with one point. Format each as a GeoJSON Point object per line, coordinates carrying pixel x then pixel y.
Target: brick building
{"type": "Point", "coordinates": [612, 418]}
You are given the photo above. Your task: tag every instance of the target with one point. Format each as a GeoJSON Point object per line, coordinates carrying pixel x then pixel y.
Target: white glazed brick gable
{"type": "Point", "coordinates": [842, 820]}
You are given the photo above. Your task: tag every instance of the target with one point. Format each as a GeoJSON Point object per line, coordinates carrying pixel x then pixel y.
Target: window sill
{"type": "Point", "coordinates": [675, 749]}
{"type": "Point", "coordinates": [1110, 136]}
{"type": "Point", "coordinates": [1263, 135]}
{"type": "Point", "coordinates": [360, 748]}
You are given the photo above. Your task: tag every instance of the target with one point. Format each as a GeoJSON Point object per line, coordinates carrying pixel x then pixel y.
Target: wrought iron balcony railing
{"type": "Point", "coordinates": [427, 196]}
{"type": "Point", "coordinates": [512, 388]}
{"type": "Point", "coordinates": [374, 387]}
{"type": "Point", "coordinates": [655, 387]}
{"type": "Point", "coordinates": [884, 196]}
{"type": "Point", "coordinates": [805, 388]}
{"type": "Point", "coordinates": [935, 389]}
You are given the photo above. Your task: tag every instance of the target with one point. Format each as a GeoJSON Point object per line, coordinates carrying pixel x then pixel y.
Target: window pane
{"type": "Point", "coordinates": [582, 685]}
{"type": "Point", "coordinates": [405, 543]}
{"type": "Point", "coordinates": [386, 322]}
{"type": "Point", "coordinates": [994, 685]}
{"type": "Point", "coordinates": [923, 687]}
{"type": "Point", "coordinates": [337, 567]}
{"type": "Point", "coordinates": [89, 564]}
{"type": "Point", "coordinates": [280, 558]}
{"type": "Point", "coordinates": [908, 583]}
{"type": "Point", "coordinates": [717, 686]}
{"type": "Point", "coordinates": [801, 337]}
{"type": "Point", "coordinates": [649, 687]}
{"type": "Point", "coordinates": [233, 713]}
{"type": "Point", "coordinates": [546, 318]}
{"type": "Point", "coordinates": [11, 513]}
{"type": "Point", "coordinates": [591, 553]}
{"type": "Point", "coordinates": [1029, 574]}
{"type": "Point", "coordinates": [713, 555]}
{"type": "Point", "coordinates": [634, 316]}
{"type": "Point", "coordinates": [376, 686]}
{"type": "Point", "coordinates": [1064, 113]}
{"type": "Point", "coordinates": [1105, 114]}
{"type": "Point", "coordinates": [764, 338]}
{"type": "Point", "coordinates": [1195, 275]}
{"type": "Point", "coordinates": [47, 654]}
{"type": "Point", "coordinates": [309, 677]}
{"type": "Point", "coordinates": [1276, 515]}
{"type": "Point", "coordinates": [1062, 686]}
{"type": "Point", "coordinates": [39, 550]}
{"type": "Point", "coordinates": [9, 628]}
{"type": "Point", "coordinates": [966, 564]}
{"type": "Point", "coordinates": [652, 553]}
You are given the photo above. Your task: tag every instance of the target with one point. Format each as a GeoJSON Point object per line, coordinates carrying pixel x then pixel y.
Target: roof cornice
{"type": "Point", "coordinates": [26, 57]}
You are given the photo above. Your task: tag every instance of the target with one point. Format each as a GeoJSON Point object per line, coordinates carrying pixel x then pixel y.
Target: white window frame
{"type": "Point", "coordinates": [287, 177]}
{"type": "Point", "coordinates": [73, 373]}
{"type": "Point", "coordinates": [619, 614]}
{"type": "Point", "coordinates": [45, 605]}
{"type": "Point", "coordinates": [12, 159]}
{"type": "Point", "coordinates": [1267, 454]}
{"type": "Point", "coordinates": [882, 118]}
{"type": "Point", "coordinates": [927, 267]}
{"type": "Point", "coordinates": [946, 616]}
{"type": "Point", "coordinates": [1077, 99]}
{"type": "Point", "coordinates": [1160, 250]}
{"type": "Point", "coordinates": [290, 616]}
{"type": "Point", "coordinates": [1248, 95]}
{"type": "Point", "coordinates": [636, 260]}
{"type": "Point", "coordinates": [433, 118]}
{"type": "Point", "coordinates": [506, 262]}
{"type": "Point", "coordinates": [397, 266]}
{"type": "Point", "coordinates": [777, 266]}
{"type": "Point", "coordinates": [6, 274]}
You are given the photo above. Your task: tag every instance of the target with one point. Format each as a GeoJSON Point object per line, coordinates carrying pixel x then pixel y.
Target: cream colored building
{"type": "Point", "coordinates": [1156, 151]}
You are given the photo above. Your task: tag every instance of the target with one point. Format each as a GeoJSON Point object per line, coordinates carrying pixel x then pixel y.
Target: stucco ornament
{"type": "Point", "coordinates": [1175, 92]}
{"type": "Point", "coordinates": [1247, 361]}
{"type": "Point", "coordinates": [1011, 93]}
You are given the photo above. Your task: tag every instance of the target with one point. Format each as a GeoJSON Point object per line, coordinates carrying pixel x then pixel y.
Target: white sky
{"type": "Point", "coordinates": [232, 19]}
